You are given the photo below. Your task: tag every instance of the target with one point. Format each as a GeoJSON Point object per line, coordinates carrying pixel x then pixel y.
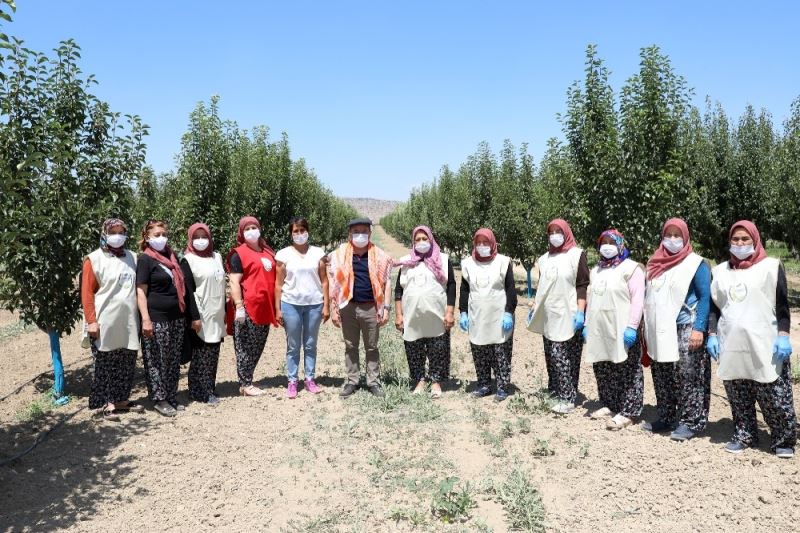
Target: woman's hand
{"type": "Point", "coordinates": [93, 330]}
{"type": "Point", "coordinates": [336, 318]}
{"type": "Point", "coordinates": [279, 316]}
{"type": "Point", "coordinates": [326, 314]}
{"type": "Point", "coordinates": [695, 340]}
{"type": "Point", "coordinates": [197, 325]}
{"type": "Point", "coordinates": [147, 328]}
{"type": "Point", "coordinates": [449, 320]}
{"type": "Point", "coordinates": [398, 322]}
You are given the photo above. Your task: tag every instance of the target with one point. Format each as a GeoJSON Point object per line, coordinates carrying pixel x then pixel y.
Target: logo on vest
{"type": "Point", "coordinates": [267, 264]}
{"type": "Point", "coordinates": [659, 282]}
{"type": "Point", "coordinates": [125, 280]}
{"type": "Point", "coordinates": [482, 280]}
{"type": "Point", "coordinates": [551, 272]}
{"type": "Point", "coordinates": [219, 275]}
{"type": "Point", "coordinates": [599, 287]}
{"type": "Point", "coordinates": [418, 280]}
{"type": "Point", "coordinates": [737, 293]}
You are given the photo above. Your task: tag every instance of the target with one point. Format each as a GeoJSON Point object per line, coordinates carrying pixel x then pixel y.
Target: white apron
{"type": "Point", "coordinates": [115, 300]}
{"type": "Point", "coordinates": [487, 299]}
{"type": "Point", "coordinates": [663, 302]}
{"type": "Point", "coordinates": [747, 325]}
{"type": "Point", "coordinates": [424, 301]}
{"type": "Point", "coordinates": [209, 294]}
{"type": "Point", "coordinates": [608, 312]}
{"type": "Point", "coordinates": [556, 296]}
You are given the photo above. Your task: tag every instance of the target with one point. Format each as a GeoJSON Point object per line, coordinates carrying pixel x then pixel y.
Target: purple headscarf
{"type": "Point", "coordinates": [432, 259]}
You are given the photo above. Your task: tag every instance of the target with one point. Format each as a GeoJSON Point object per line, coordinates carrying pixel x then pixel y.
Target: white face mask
{"type": "Point", "coordinates": [300, 238]}
{"type": "Point", "coordinates": [742, 252]}
{"type": "Point", "coordinates": [673, 246]}
{"type": "Point", "coordinates": [157, 243]}
{"type": "Point", "coordinates": [200, 244]}
{"type": "Point", "coordinates": [556, 240]}
{"type": "Point", "coordinates": [484, 251]}
{"type": "Point", "coordinates": [422, 247]}
{"type": "Point", "coordinates": [609, 251]}
{"type": "Point", "coordinates": [116, 240]}
{"type": "Point", "coordinates": [252, 235]}
{"type": "Point", "coordinates": [360, 240]}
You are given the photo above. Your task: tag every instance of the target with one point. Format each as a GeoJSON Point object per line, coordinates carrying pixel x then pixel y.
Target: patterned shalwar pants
{"type": "Point", "coordinates": [112, 378]}
{"type": "Point", "coordinates": [249, 340]}
{"type": "Point", "coordinates": [495, 358]}
{"type": "Point", "coordinates": [777, 406]}
{"type": "Point", "coordinates": [437, 352]}
{"type": "Point", "coordinates": [203, 371]}
{"type": "Point", "coordinates": [162, 360]}
{"type": "Point", "coordinates": [683, 388]}
{"type": "Point", "coordinates": [563, 360]}
{"type": "Point", "coordinates": [620, 386]}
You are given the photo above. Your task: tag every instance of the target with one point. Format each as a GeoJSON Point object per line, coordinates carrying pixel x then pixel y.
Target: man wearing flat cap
{"type": "Point", "coordinates": [360, 281]}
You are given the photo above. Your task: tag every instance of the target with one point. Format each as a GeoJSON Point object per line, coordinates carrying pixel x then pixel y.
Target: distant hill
{"type": "Point", "coordinates": [372, 207]}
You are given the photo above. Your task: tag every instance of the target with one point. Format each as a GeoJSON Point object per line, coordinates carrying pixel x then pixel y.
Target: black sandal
{"type": "Point", "coordinates": [131, 407]}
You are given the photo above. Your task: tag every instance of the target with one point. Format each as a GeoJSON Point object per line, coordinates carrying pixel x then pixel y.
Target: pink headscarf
{"type": "Point", "coordinates": [759, 253]}
{"type": "Point", "coordinates": [569, 238]}
{"type": "Point", "coordinates": [484, 232]}
{"type": "Point", "coordinates": [432, 259]}
{"type": "Point", "coordinates": [208, 252]}
{"type": "Point", "coordinates": [662, 260]}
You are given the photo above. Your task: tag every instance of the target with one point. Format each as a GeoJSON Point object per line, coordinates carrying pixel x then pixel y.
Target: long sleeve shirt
{"type": "Point", "coordinates": [636, 289]}
{"type": "Point", "coordinates": [698, 299]}
{"type": "Point", "coordinates": [89, 287]}
{"type": "Point", "coordinates": [510, 290]}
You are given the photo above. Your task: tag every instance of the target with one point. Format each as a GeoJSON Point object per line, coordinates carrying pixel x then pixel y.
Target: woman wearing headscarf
{"type": "Point", "coordinates": [108, 295]}
{"type": "Point", "coordinates": [425, 297]}
{"type": "Point", "coordinates": [161, 295]}
{"type": "Point", "coordinates": [251, 265]}
{"type": "Point", "coordinates": [204, 275]}
{"type": "Point", "coordinates": [558, 313]}
{"type": "Point", "coordinates": [677, 302]}
{"type": "Point", "coordinates": [301, 299]}
{"type": "Point", "coordinates": [749, 336]}
{"type": "Point", "coordinates": [487, 303]}
{"type": "Point", "coordinates": [614, 310]}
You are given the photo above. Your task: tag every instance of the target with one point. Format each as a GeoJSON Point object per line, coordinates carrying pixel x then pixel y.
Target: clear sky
{"type": "Point", "coordinates": [377, 95]}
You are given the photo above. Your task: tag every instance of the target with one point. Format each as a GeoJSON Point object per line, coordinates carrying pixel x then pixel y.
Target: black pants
{"type": "Point", "coordinates": [493, 357]}
{"type": "Point", "coordinates": [620, 386]}
{"type": "Point", "coordinates": [436, 350]}
{"type": "Point", "coordinates": [563, 360]}
{"type": "Point", "coordinates": [162, 360]}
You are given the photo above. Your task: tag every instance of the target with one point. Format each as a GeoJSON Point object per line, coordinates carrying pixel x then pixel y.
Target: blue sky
{"type": "Point", "coordinates": [377, 96]}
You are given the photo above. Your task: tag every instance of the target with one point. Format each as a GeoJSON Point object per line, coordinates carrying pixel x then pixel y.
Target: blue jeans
{"type": "Point", "coordinates": [302, 328]}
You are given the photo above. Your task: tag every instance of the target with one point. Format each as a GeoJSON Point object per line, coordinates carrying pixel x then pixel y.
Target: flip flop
{"type": "Point", "coordinates": [130, 407]}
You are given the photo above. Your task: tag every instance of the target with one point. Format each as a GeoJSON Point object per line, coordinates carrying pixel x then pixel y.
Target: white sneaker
{"type": "Point", "coordinates": [618, 422]}
{"type": "Point", "coordinates": [603, 412]}
{"type": "Point", "coordinates": [563, 408]}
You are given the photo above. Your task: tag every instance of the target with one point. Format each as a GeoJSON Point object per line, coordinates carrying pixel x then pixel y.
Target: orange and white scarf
{"type": "Point", "coordinates": [342, 277]}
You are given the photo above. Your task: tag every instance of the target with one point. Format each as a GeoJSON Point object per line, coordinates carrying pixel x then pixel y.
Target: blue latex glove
{"type": "Point", "coordinates": [463, 322]}
{"type": "Point", "coordinates": [712, 347]}
{"type": "Point", "coordinates": [578, 320]}
{"type": "Point", "coordinates": [508, 321]}
{"type": "Point", "coordinates": [782, 348]}
{"type": "Point", "coordinates": [629, 337]}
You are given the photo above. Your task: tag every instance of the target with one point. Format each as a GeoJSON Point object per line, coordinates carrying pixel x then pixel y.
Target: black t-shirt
{"type": "Point", "coordinates": [162, 296]}
{"type": "Point", "coordinates": [362, 286]}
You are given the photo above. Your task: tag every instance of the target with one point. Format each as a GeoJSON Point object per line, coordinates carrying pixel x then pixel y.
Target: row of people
{"type": "Point", "coordinates": [299, 287]}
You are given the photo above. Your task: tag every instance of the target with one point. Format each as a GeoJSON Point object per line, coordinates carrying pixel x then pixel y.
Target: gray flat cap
{"type": "Point", "coordinates": [359, 221]}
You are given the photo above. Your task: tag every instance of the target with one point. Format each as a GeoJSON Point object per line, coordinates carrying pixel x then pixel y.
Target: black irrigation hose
{"type": "Point", "coordinates": [40, 438]}
{"type": "Point", "coordinates": [37, 376]}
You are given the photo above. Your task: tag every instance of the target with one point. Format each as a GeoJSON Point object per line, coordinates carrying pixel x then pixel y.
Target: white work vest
{"type": "Point", "coordinates": [424, 301]}
{"type": "Point", "coordinates": [209, 294]}
{"type": "Point", "coordinates": [747, 324]}
{"type": "Point", "coordinates": [663, 301]}
{"type": "Point", "coordinates": [556, 296]}
{"type": "Point", "coordinates": [608, 312]}
{"type": "Point", "coordinates": [487, 299]}
{"type": "Point", "coordinates": [115, 300]}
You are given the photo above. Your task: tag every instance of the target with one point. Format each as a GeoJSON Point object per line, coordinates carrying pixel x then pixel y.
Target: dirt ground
{"type": "Point", "coordinates": [319, 463]}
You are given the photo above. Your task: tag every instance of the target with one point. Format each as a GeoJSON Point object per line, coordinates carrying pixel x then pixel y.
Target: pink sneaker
{"type": "Point", "coordinates": [312, 387]}
{"type": "Point", "coordinates": [291, 390]}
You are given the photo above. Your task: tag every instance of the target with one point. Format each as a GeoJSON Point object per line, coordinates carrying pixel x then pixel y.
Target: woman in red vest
{"type": "Point", "coordinates": [251, 266]}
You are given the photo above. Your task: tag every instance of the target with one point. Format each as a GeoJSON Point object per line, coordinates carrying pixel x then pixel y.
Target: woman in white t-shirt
{"type": "Point", "coordinates": [301, 297]}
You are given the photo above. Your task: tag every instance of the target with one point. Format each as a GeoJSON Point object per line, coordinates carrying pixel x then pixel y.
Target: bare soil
{"type": "Point", "coordinates": [362, 464]}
